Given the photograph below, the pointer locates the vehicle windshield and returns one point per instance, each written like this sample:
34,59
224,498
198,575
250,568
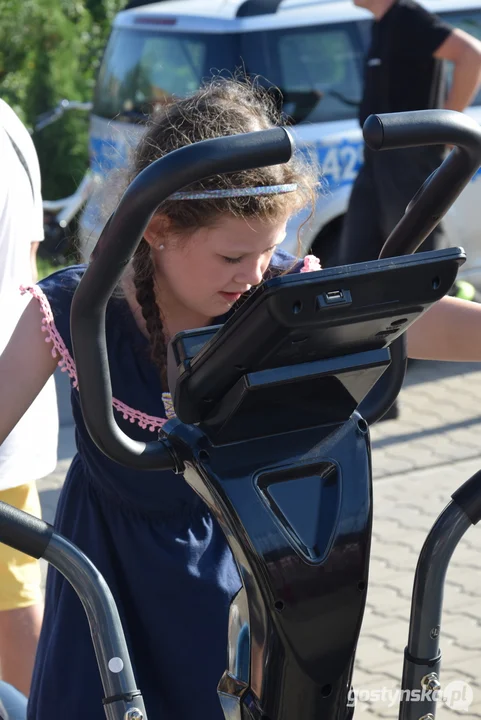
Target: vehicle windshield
317,68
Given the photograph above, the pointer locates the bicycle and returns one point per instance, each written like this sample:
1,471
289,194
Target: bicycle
259,473
58,214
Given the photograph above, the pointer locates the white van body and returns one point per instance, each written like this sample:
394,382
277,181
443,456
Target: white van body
312,50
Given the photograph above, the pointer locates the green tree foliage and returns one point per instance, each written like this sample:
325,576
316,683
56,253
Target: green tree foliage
50,50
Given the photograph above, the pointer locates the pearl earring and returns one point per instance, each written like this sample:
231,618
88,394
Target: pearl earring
161,247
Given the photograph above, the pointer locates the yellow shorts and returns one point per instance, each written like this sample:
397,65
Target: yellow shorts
20,576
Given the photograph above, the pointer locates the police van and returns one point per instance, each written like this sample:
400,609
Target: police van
312,50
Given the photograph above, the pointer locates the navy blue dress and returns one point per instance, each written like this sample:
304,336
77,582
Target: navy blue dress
160,550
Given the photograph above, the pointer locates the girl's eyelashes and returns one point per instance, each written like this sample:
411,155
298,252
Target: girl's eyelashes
234,261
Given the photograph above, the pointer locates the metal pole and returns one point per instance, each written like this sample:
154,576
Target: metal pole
123,701
421,689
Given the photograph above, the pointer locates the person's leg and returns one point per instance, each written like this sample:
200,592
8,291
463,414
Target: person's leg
21,600
399,177
361,237
399,174
19,634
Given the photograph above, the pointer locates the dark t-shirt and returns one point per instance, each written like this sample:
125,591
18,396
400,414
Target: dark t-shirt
401,73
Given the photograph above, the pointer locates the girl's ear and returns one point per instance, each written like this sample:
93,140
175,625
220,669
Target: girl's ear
157,231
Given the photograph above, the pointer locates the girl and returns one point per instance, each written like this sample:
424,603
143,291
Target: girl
161,552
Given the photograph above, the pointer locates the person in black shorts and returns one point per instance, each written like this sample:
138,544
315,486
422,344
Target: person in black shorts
404,70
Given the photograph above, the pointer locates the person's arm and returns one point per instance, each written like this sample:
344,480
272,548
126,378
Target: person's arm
25,366
449,330
464,51
33,261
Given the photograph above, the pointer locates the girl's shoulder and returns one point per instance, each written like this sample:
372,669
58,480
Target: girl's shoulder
61,284
55,293
133,376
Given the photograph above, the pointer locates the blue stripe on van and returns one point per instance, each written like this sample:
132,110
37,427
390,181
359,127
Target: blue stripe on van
340,163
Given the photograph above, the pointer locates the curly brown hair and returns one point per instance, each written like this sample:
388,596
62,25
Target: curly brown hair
220,107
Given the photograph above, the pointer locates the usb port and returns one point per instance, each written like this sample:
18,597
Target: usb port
334,295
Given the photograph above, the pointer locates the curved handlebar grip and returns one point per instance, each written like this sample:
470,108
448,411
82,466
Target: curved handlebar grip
24,532
391,131
433,200
116,245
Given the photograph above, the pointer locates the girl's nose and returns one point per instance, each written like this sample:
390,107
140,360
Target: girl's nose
250,274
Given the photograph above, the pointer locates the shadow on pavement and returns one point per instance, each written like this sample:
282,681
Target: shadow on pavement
421,371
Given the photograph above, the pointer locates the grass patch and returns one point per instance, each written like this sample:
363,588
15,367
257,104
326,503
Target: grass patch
46,266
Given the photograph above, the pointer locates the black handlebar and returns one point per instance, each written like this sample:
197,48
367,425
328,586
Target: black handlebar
426,209
117,244
443,187
23,531
390,131
125,228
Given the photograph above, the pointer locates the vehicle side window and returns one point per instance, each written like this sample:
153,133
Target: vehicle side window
319,71
470,22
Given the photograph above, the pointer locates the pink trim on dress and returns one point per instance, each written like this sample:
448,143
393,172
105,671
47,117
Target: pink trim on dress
67,364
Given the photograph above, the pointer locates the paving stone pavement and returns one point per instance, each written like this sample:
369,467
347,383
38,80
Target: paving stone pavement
418,461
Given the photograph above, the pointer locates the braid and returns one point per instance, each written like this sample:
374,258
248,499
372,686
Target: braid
145,295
